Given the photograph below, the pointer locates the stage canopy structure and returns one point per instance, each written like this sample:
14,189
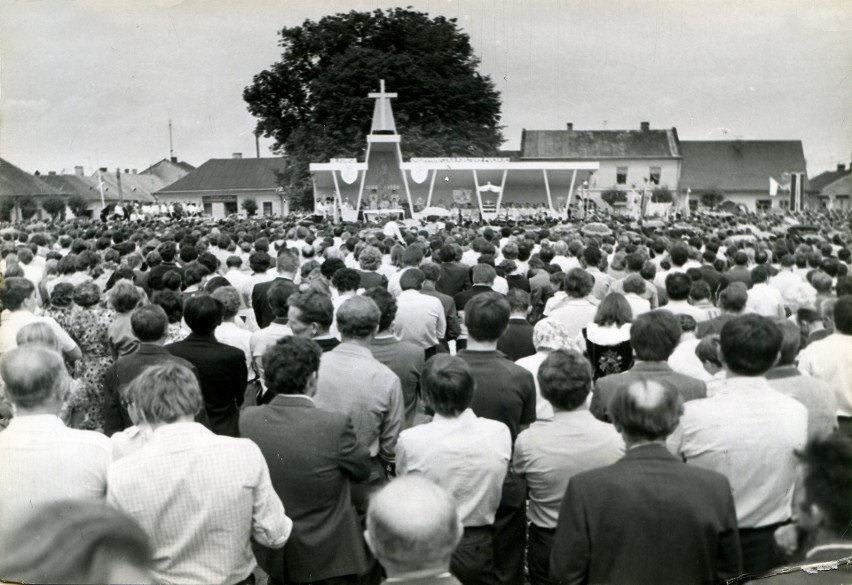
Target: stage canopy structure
384,183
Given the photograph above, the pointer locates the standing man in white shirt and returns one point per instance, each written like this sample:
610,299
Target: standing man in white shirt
828,359
749,432
466,455
200,497
420,319
41,460
763,298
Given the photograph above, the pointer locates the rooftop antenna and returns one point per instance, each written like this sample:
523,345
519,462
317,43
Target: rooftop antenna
171,143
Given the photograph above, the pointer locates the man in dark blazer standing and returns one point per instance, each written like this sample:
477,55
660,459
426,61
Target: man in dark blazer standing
221,368
516,341
455,276
149,324
313,455
287,264
649,518
654,337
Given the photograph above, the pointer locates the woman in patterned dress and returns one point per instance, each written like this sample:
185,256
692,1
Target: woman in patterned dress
89,327
61,304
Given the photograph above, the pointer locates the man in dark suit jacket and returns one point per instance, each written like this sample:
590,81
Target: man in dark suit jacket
654,337
287,265
432,272
709,274
648,518
732,301
150,324
516,341
313,455
221,368
455,276
483,279
739,272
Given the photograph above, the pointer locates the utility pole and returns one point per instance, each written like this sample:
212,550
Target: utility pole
171,143
120,194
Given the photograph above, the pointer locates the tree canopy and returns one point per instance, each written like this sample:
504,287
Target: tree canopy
313,101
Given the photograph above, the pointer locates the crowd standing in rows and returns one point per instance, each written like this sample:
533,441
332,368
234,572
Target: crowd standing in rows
437,403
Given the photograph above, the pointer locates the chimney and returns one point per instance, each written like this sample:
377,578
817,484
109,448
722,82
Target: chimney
841,167
569,126
51,173
237,155
174,159
103,169
644,126
126,171
78,171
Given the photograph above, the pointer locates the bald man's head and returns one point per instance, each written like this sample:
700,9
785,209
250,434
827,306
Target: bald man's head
646,410
413,526
34,376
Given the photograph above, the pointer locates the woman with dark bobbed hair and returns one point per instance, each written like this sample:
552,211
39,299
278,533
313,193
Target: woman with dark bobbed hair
607,338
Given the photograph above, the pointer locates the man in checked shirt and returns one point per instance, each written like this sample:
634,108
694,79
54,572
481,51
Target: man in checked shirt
200,497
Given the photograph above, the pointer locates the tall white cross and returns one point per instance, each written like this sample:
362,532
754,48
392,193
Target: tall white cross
382,112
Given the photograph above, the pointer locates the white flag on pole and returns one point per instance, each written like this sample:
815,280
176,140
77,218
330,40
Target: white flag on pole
773,187
101,188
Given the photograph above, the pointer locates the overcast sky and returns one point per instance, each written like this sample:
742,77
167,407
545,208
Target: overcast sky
94,82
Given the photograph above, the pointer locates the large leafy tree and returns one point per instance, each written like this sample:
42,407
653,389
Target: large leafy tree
313,102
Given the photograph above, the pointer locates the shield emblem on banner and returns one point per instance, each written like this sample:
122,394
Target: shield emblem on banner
419,174
349,175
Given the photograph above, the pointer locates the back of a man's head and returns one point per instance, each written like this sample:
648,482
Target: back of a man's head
646,410
733,299
289,364
412,279
565,378
33,376
15,291
486,316
346,280
655,335
358,318
163,394
448,385
149,323
750,344
677,286
412,255
287,261
791,337
413,527
484,274
843,315
822,496
202,314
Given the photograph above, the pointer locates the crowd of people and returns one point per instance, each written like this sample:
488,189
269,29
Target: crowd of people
221,401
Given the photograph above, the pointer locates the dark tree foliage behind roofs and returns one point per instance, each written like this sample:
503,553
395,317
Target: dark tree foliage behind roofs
313,101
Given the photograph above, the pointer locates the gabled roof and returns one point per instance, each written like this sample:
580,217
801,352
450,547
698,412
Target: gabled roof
185,166
133,187
597,144
75,185
739,165
224,174
823,180
15,181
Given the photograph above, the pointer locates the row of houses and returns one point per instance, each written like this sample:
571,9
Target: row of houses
629,160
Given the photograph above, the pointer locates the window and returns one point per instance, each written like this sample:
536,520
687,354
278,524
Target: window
267,208
655,175
763,204
621,176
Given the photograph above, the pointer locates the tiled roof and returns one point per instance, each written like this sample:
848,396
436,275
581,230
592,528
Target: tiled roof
739,165
133,187
596,144
224,174
15,181
823,180
75,185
